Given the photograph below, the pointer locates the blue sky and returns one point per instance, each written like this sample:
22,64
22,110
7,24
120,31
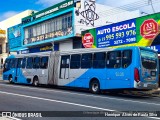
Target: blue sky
12,7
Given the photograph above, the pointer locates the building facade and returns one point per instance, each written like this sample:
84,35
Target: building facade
59,26
4,25
2,42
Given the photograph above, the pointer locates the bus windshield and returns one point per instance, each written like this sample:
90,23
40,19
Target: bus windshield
149,59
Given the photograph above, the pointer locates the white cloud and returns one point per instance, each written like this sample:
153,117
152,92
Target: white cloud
47,3
8,14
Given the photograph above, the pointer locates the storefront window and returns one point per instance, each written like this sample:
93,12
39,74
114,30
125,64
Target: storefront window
52,28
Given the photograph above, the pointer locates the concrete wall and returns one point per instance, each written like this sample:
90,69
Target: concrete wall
66,45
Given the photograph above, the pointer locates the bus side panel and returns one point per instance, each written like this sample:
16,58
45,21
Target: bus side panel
21,77
77,77
108,79
98,74
6,74
84,76
42,75
119,78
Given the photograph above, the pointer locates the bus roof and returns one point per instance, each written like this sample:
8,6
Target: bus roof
86,50
78,51
31,54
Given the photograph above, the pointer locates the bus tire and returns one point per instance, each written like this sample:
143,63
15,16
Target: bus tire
10,79
94,86
35,81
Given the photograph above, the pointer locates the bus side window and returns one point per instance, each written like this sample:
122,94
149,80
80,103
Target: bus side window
75,61
65,61
29,63
126,58
99,60
19,63
86,60
24,62
36,62
114,59
6,65
44,63
13,63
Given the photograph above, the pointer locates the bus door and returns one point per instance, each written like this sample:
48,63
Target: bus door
118,72
19,70
75,70
27,70
64,70
13,64
36,66
42,71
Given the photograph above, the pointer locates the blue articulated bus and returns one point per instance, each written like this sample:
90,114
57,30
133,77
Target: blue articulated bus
94,69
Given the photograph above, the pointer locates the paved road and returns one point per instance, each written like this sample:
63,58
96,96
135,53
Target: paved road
27,98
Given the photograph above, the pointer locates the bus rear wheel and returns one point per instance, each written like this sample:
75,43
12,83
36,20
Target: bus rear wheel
35,81
95,87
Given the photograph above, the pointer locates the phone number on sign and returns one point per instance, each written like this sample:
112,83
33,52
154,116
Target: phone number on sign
128,40
118,35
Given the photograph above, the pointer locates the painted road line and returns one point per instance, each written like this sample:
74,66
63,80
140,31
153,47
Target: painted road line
57,101
87,95
64,102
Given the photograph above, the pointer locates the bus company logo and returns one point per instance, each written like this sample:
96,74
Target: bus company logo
88,40
6,114
149,29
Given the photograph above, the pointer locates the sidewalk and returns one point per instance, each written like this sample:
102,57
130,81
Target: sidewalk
154,92
157,92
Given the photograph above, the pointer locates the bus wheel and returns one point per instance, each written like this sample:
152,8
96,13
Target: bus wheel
10,79
35,81
95,87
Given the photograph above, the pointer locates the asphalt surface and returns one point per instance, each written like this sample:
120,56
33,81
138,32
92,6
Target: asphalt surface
68,104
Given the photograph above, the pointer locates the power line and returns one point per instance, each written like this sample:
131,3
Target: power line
150,1
130,7
124,7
